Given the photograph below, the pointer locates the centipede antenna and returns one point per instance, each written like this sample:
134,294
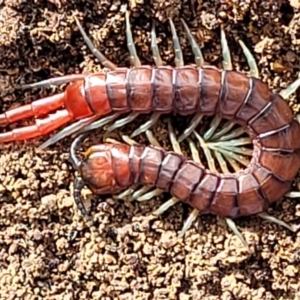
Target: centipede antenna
73,157
291,89
103,60
250,59
78,186
130,43
272,219
199,60
72,128
154,48
227,64
121,122
152,121
52,82
235,230
177,49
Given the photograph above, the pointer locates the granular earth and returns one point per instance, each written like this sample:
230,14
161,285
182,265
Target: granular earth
46,249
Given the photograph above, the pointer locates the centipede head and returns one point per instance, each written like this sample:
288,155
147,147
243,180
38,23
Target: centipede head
97,170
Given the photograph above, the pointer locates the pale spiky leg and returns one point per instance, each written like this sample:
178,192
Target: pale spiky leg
234,229
227,64
178,52
193,124
152,139
213,127
165,206
293,194
173,139
121,122
152,121
103,60
250,59
84,125
189,222
130,43
272,219
291,89
199,60
154,48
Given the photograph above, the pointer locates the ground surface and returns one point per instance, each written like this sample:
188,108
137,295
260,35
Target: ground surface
46,249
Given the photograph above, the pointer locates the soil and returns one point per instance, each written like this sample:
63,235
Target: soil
47,251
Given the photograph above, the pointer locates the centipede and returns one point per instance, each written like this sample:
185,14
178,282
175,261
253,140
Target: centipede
98,100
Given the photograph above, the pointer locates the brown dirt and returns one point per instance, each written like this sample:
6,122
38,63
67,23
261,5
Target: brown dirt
46,249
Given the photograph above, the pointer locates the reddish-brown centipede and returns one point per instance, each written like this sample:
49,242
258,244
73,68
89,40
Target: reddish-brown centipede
185,90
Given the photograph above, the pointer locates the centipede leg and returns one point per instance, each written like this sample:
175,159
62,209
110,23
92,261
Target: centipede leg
193,124
227,64
250,59
72,128
103,60
173,139
212,128
152,121
165,206
154,48
189,222
272,219
122,122
199,59
178,52
291,89
130,43
152,139
235,230
195,152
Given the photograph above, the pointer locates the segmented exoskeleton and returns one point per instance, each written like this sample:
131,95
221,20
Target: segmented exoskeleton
185,90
